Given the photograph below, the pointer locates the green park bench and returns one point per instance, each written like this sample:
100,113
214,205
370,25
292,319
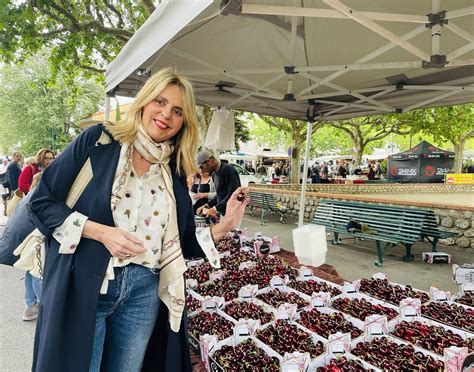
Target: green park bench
267,204
431,232
384,224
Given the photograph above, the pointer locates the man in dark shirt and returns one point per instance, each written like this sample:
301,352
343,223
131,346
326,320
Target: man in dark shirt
226,181
14,171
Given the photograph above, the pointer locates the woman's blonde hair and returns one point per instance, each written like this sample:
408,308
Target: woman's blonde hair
41,155
186,140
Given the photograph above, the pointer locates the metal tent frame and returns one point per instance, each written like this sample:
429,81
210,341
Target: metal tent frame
312,60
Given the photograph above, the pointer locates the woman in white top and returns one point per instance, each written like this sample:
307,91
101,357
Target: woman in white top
113,291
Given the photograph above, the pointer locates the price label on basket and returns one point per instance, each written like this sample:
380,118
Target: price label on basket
278,282
375,325
206,344
320,299
439,295
410,308
295,362
454,358
248,291
247,265
339,343
217,275
275,245
379,276
246,327
286,311
191,283
305,273
349,288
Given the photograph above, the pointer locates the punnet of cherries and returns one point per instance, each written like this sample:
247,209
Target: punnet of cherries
430,337
210,323
310,286
451,314
361,308
248,310
284,337
390,292
390,356
246,356
192,303
275,298
327,324
466,299
343,364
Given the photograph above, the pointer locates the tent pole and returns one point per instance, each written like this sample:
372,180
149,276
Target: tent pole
305,172
107,108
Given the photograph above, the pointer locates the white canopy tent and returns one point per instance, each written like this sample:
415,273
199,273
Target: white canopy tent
308,59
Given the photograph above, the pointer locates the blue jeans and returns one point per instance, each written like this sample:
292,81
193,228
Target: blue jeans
125,320
33,288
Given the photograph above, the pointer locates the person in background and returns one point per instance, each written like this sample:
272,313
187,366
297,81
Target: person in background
470,168
4,191
43,158
226,181
202,190
114,290
4,165
261,170
371,174
324,173
17,229
315,178
14,171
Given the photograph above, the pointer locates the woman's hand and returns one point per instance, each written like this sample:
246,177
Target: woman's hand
119,243
235,210
200,195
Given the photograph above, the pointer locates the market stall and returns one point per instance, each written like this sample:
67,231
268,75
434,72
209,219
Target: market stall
423,163
307,60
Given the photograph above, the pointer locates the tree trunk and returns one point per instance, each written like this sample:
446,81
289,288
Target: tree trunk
359,149
458,150
295,165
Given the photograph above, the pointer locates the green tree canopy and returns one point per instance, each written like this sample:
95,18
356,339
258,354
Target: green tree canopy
293,131
453,124
35,112
367,129
83,35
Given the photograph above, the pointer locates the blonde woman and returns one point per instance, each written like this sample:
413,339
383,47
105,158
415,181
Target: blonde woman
114,294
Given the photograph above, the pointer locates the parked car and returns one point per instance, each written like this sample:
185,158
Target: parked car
245,176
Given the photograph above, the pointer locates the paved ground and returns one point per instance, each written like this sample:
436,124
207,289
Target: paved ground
351,261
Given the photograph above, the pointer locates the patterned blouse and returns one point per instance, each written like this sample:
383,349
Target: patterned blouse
144,212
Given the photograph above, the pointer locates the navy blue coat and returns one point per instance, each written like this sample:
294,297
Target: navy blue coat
71,283
13,171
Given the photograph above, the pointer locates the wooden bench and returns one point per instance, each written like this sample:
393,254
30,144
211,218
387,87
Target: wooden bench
267,204
385,223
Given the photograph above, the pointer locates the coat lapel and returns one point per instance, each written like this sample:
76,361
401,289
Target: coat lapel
104,159
181,195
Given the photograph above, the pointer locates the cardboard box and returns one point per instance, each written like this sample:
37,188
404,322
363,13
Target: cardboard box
436,257
463,274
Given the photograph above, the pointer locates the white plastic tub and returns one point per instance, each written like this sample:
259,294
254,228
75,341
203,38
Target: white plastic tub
310,244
